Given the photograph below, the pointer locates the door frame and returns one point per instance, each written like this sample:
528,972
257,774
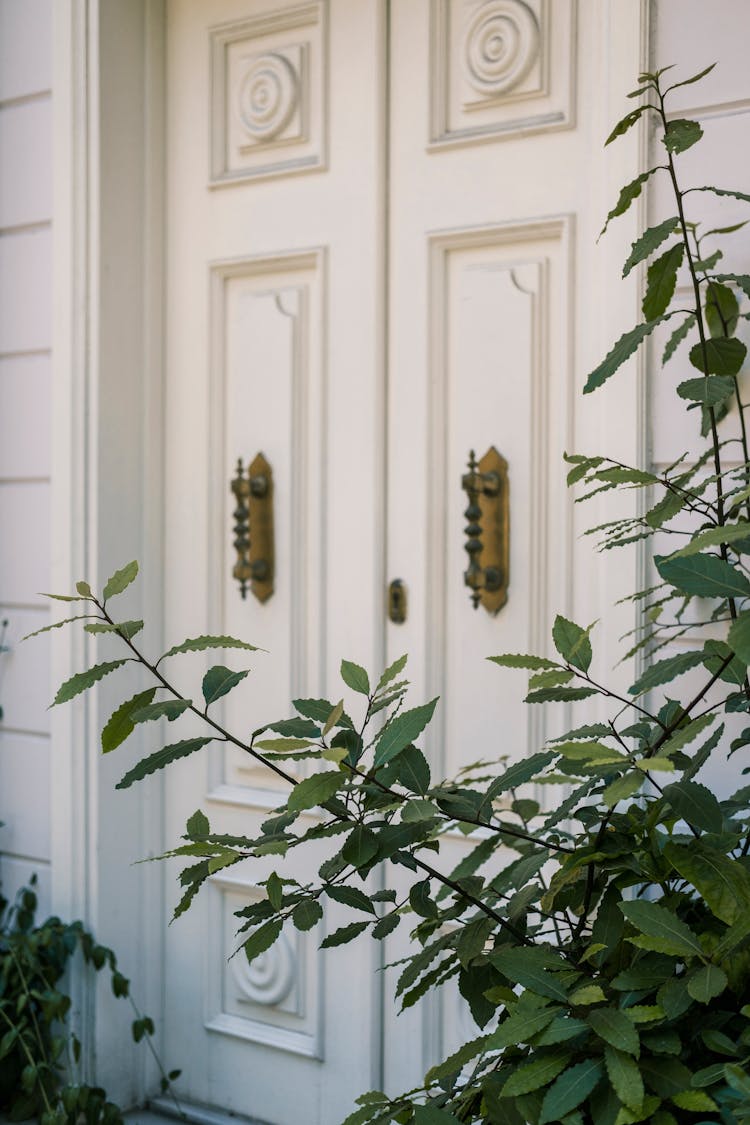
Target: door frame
109,103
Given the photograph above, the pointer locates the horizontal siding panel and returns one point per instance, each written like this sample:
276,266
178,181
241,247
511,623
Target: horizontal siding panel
24,542
16,873
25,795
25,688
693,34
25,391
25,291
25,47
26,163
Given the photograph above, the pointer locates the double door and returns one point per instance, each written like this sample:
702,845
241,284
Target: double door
375,216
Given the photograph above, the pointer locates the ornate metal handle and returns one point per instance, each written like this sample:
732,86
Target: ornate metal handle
487,530
253,528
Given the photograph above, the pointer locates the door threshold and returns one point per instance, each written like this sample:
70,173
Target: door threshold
159,1108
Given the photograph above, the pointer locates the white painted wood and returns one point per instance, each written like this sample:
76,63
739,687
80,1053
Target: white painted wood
24,796
24,507
25,48
26,165
25,688
17,873
25,291
25,406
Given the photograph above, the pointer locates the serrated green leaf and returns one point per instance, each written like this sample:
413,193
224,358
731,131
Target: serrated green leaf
685,735
315,790
704,576
127,629
625,1076
711,392
120,580
360,847
120,724
57,624
283,745
695,1101
522,966
519,773
572,642
696,805
708,983
614,1027
456,1062
333,718
350,896
355,677
628,343
660,922
197,824
681,134
714,537
399,733
307,914
532,1076
560,695
519,660
391,672
569,1090
219,681
344,934
676,338
431,1115
199,644
689,81
84,680
723,883
627,196
645,245
520,1027
160,759
739,636
722,310
661,281
274,890
722,356
664,671
625,123
262,938
166,709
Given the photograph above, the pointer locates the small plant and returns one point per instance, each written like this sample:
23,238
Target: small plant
608,963
39,1057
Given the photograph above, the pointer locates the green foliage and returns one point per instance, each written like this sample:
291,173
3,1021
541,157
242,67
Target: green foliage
601,937
39,1055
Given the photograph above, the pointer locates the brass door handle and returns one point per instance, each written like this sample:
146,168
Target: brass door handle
253,528
487,530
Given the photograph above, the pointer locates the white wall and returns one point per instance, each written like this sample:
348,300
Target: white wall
25,392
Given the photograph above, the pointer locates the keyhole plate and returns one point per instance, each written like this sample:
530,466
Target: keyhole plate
495,523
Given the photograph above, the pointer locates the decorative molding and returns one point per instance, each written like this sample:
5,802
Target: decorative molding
268,393
275,1000
499,68
524,254
268,111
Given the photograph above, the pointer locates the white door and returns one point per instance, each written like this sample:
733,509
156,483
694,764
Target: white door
376,214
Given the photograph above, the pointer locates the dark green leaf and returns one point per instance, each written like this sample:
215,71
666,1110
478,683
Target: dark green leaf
614,1027
532,1076
391,672
127,629
160,759
412,770
307,914
431,1115
572,642
723,356
520,1027
677,337
355,677
661,281
663,671
519,773
722,310
262,938
421,901
622,351
625,123
517,660
524,966
704,576
350,896
689,81
294,728
198,644
399,733
627,196
645,245
708,983
559,695
385,926
165,709
681,134
56,624
219,681
695,804
120,580
83,680
722,882
714,536
739,636
197,825
660,922
315,790
120,725
344,934
570,1090
711,392
319,710
360,847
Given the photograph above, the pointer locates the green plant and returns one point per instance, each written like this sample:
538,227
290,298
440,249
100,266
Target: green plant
609,962
39,1057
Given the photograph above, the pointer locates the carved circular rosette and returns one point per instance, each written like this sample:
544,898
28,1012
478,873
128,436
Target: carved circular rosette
502,44
270,977
268,96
